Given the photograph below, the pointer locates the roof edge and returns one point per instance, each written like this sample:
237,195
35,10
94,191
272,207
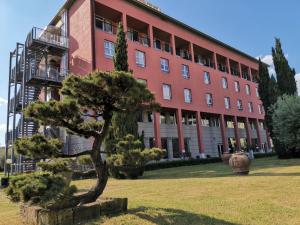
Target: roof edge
137,3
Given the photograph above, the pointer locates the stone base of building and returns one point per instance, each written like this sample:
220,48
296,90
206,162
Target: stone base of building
34,215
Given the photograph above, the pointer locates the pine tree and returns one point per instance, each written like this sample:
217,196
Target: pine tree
285,74
121,57
94,97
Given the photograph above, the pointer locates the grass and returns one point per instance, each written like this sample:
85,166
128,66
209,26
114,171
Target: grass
204,194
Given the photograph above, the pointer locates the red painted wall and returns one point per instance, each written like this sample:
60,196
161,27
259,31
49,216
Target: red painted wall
80,44
80,48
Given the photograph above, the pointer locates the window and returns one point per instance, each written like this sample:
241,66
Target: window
205,122
140,58
250,106
257,93
239,104
241,125
163,118
104,25
209,99
206,78
236,86
157,44
227,102
109,49
164,65
229,124
187,95
214,122
224,83
185,71
167,91
248,92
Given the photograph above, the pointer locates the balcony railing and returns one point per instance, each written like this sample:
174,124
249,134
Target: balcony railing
140,38
49,74
234,71
50,35
223,68
163,46
184,54
106,26
205,62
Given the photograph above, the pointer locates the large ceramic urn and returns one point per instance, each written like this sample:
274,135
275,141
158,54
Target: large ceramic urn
225,157
240,163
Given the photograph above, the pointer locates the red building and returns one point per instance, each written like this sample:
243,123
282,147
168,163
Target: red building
207,89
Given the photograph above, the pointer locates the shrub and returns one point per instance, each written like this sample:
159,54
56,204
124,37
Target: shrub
38,188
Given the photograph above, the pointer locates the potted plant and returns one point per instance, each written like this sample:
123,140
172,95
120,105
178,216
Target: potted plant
130,159
240,163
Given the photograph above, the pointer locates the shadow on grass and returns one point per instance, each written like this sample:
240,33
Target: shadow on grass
168,216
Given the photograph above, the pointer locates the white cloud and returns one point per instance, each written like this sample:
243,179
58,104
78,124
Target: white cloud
268,59
297,77
3,101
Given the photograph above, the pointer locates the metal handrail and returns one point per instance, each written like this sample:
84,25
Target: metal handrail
46,36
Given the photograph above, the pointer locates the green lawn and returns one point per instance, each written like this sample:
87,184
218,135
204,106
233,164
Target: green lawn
204,194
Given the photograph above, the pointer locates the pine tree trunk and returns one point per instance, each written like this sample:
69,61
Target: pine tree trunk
101,169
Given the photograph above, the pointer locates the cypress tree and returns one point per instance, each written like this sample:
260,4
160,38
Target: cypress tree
268,93
123,123
285,74
121,58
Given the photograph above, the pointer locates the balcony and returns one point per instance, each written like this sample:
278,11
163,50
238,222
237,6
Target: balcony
106,25
222,63
245,72
234,68
50,38
203,56
183,48
140,38
107,19
162,40
50,76
138,31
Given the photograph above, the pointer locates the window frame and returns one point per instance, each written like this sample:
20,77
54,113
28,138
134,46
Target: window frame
206,77
170,91
226,82
110,49
248,89
228,102
237,87
162,65
189,91
137,59
184,71
210,104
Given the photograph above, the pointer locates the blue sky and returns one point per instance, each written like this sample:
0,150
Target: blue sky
247,25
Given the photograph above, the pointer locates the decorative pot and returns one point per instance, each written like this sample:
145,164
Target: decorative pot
240,163
132,172
225,157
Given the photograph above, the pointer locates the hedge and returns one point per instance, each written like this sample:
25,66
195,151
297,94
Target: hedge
168,164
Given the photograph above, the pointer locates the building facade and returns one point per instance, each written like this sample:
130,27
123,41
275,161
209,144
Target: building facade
208,90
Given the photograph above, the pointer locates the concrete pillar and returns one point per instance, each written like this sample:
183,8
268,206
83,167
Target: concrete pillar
223,133
150,33
124,22
236,133
157,138
228,65
180,130
215,61
199,134
170,148
258,133
248,131
173,44
192,51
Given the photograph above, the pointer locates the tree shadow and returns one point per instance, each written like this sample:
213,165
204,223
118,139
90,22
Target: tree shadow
169,216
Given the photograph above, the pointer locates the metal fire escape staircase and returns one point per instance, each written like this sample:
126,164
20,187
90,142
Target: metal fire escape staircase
26,80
